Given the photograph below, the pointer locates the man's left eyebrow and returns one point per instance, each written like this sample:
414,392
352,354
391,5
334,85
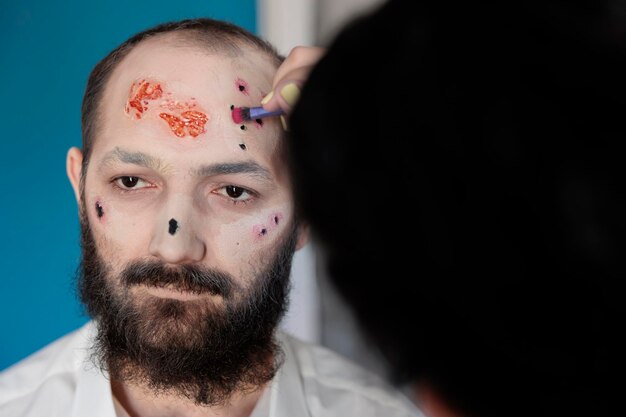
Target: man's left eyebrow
248,167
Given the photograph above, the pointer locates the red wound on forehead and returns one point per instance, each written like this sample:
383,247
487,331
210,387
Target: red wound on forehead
195,121
177,106
181,114
190,122
177,125
140,94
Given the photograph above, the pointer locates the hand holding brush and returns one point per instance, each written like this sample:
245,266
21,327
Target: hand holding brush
289,78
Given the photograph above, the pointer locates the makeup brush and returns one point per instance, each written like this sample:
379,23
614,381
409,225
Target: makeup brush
245,114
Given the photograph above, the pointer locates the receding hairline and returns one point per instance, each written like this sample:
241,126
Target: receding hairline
195,40
226,45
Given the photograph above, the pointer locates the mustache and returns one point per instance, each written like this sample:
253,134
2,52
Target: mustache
190,278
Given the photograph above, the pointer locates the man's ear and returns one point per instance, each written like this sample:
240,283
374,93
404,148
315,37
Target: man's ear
303,235
74,168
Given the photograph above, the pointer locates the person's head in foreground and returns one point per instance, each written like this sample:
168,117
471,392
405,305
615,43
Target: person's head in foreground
187,220
469,193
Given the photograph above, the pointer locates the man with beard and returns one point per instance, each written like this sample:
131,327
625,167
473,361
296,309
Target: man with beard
187,231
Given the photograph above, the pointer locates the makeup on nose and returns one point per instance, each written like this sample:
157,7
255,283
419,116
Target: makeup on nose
173,226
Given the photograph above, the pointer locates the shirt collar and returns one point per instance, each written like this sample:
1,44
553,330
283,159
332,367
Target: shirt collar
93,395
287,392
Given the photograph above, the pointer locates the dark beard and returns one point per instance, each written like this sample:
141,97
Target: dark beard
201,350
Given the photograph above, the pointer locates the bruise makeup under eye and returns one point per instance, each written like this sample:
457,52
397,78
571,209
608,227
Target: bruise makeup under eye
183,116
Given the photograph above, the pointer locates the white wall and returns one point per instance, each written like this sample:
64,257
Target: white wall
287,23
332,15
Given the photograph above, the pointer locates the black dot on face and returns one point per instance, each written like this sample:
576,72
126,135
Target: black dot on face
242,146
99,210
276,219
173,226
259,121
242,87
242,127
232,107
264,231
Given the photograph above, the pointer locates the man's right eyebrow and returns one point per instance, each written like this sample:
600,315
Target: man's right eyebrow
247,167
132,157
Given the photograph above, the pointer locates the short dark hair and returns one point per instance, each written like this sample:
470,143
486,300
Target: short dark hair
214,35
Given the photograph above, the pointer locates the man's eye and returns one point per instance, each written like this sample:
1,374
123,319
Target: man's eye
237,194
128,182
234,192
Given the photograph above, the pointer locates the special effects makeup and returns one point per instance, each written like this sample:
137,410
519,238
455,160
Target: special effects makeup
245,114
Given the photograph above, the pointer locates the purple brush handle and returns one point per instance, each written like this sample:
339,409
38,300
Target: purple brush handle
260,112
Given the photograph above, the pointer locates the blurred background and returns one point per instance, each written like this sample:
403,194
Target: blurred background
48,49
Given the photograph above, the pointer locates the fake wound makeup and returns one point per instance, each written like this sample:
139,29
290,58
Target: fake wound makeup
173,227
189,123
261,230
99,209
244,114
183,116
141,93
242,86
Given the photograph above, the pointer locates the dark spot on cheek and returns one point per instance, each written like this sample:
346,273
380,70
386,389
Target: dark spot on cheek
259,121
263,231
242,87
232,107
99,210
242,127
242,146
276,219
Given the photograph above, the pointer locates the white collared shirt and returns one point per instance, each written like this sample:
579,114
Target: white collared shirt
61,380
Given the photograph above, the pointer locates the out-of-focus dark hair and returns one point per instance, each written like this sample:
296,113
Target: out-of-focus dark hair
460,163
209,34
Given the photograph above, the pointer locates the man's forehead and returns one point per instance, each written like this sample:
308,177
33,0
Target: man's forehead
196,74
187,93
160,55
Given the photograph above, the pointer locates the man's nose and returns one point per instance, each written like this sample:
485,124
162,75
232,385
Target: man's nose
174,239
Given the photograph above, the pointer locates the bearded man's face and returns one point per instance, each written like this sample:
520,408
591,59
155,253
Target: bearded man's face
187,235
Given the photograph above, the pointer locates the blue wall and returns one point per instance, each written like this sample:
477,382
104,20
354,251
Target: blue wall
48,50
